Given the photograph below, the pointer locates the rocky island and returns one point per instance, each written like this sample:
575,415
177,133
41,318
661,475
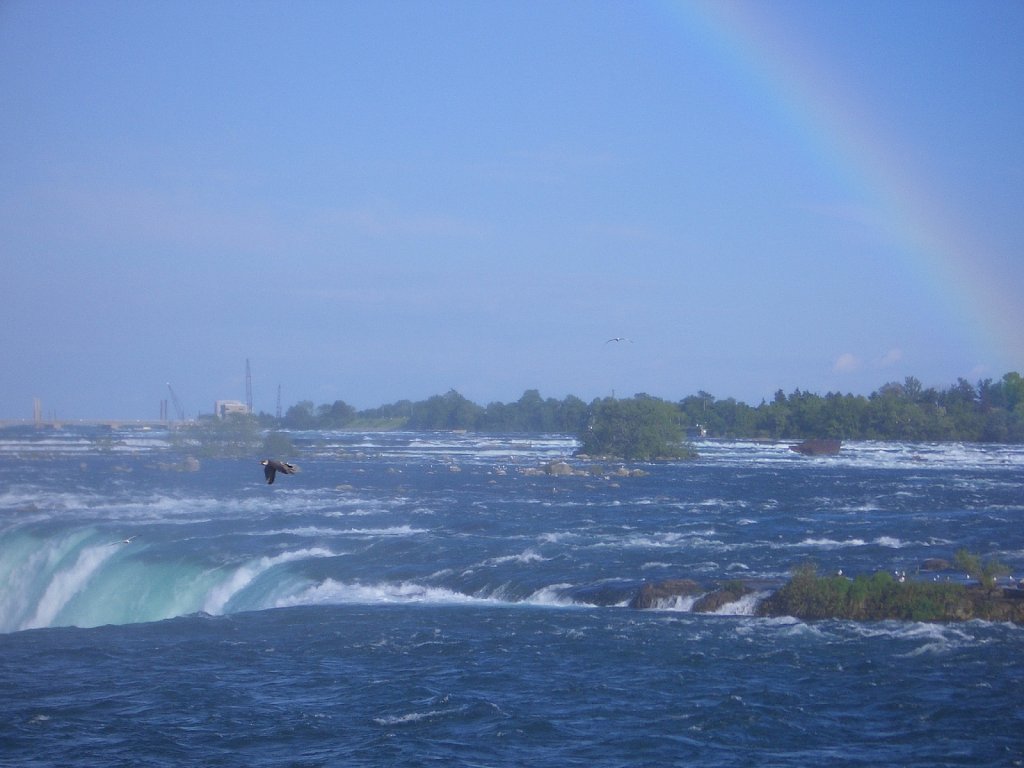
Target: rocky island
882,597
878,597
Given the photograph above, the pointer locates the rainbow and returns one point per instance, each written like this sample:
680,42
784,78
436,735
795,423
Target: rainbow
955,264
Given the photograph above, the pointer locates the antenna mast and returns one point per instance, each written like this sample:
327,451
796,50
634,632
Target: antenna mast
279,401
248,387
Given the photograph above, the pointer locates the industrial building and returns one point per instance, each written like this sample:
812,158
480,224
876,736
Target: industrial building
224,408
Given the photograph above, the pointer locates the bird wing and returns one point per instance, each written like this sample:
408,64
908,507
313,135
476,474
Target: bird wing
269,472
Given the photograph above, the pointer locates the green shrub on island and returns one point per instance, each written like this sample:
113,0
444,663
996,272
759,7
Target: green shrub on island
880,597
985,573
638,429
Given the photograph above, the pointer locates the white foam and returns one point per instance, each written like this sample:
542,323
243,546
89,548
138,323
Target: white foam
745,606
675,603
395,530
889,541
313,531
527,556
331,592
553,595
414,717
657,564
65,584
830,543
243,576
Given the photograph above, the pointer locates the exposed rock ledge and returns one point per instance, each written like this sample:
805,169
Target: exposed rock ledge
660,593
818,447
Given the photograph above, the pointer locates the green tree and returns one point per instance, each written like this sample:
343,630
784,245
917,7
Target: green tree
571,416
336,415
641,428
701,409
448,411
497,417
993,412
300,416
530,412
961,405
1013,390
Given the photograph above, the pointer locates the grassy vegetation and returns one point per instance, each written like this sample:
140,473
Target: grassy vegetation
879,596
985,572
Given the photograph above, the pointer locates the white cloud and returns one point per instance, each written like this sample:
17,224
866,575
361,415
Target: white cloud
846,363
891,357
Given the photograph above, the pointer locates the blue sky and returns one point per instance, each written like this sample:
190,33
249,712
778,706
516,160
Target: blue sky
379,201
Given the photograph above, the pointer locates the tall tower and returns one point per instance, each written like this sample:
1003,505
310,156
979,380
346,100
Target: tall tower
248,387
278,401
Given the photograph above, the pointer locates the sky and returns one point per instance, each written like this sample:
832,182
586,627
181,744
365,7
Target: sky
372,202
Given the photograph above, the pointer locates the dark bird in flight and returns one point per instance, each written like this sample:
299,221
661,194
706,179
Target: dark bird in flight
619,338
272,466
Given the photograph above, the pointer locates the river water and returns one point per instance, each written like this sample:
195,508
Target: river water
414,599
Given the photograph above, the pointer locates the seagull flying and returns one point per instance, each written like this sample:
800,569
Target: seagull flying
272,466
619,338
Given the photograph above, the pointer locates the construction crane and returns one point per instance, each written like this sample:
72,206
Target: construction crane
177,403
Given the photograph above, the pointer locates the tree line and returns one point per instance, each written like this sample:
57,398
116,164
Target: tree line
988,411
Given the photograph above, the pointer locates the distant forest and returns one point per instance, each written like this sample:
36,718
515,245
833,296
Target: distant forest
989,411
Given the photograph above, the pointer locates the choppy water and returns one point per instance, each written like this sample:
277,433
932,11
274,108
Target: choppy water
415,599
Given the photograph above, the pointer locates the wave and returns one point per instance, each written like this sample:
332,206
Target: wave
86,505
924,457
83,579
66,583
527,556
889,542
313,531
74,440
89,584
557,595
415,717
332,592
219,597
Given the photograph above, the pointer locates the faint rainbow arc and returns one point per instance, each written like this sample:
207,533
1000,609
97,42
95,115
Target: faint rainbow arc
939,248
